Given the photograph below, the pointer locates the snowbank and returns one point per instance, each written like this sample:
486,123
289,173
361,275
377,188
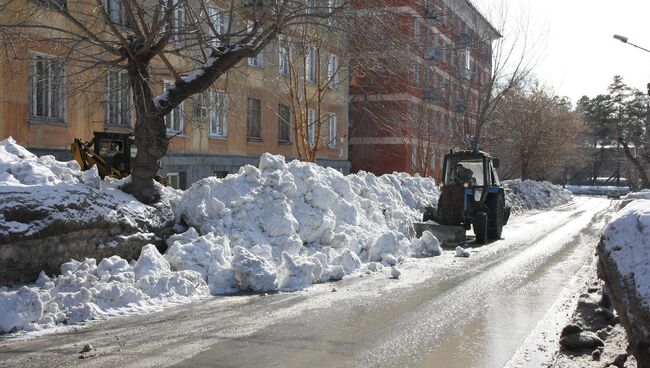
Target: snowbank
596,189
627,240
46,202
280,226
624,263
284,226
526,195
87,290
58,192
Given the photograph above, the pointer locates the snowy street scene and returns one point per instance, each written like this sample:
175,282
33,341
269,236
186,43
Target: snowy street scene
324,183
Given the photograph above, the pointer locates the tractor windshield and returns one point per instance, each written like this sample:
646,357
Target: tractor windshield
460,171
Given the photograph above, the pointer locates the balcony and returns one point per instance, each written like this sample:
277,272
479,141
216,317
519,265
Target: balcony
465,39
430,94
434,53
459,106
432,13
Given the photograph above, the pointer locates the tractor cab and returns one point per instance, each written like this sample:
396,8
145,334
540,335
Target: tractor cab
117,149
112,153
471,195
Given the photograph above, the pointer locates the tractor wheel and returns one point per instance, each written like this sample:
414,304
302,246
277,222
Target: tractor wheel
495,205
480,227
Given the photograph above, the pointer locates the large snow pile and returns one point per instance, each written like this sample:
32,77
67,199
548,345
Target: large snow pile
525,195
41,193
284,226
87,290
279,226
627,240
624,264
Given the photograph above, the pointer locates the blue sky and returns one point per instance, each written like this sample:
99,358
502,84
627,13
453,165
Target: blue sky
578,55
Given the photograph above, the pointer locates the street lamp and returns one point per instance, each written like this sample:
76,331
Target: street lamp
624,40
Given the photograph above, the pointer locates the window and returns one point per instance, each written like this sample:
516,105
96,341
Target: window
46,88
283,58
311,65
332,135
416,30
200,109
116,12
254,118
311,128
468,60
174,120
414,157
311,6
179,23
118,99
284,123
218,113
258,60
61,4
332,71
331,7
416,75
174,180
218,19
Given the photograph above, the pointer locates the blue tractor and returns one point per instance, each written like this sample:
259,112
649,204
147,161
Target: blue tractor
471,197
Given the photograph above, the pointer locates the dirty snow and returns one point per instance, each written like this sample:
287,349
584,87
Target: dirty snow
627,239
52,192
280,226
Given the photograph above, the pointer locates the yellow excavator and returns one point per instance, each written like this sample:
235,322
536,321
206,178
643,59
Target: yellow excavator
110,152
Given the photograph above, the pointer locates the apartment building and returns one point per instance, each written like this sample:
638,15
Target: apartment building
423,98
246,112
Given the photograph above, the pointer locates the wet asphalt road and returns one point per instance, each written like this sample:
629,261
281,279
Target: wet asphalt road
442,312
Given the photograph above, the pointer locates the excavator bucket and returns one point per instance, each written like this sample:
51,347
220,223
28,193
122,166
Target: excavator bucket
447,235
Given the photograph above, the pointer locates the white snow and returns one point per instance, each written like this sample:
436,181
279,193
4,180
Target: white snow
596,189
293,224
280,226
627,239
85,291
61,192
526,195
461,252
395,273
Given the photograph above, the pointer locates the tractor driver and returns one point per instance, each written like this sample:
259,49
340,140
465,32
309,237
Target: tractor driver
463,174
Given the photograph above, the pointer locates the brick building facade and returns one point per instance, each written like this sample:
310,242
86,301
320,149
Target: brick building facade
421,98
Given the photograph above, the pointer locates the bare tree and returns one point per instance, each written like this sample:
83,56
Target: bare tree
535,133
190,42
475,92
311,61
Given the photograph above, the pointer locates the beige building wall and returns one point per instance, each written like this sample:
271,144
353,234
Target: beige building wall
85,113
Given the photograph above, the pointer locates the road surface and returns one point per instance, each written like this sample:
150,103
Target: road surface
504,305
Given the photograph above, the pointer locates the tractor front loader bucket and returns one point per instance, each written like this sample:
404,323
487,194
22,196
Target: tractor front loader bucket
448,235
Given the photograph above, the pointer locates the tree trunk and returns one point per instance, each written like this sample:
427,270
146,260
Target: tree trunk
645,183
150,136
524,166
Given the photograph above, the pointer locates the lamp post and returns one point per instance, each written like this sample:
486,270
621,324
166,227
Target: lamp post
625,40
